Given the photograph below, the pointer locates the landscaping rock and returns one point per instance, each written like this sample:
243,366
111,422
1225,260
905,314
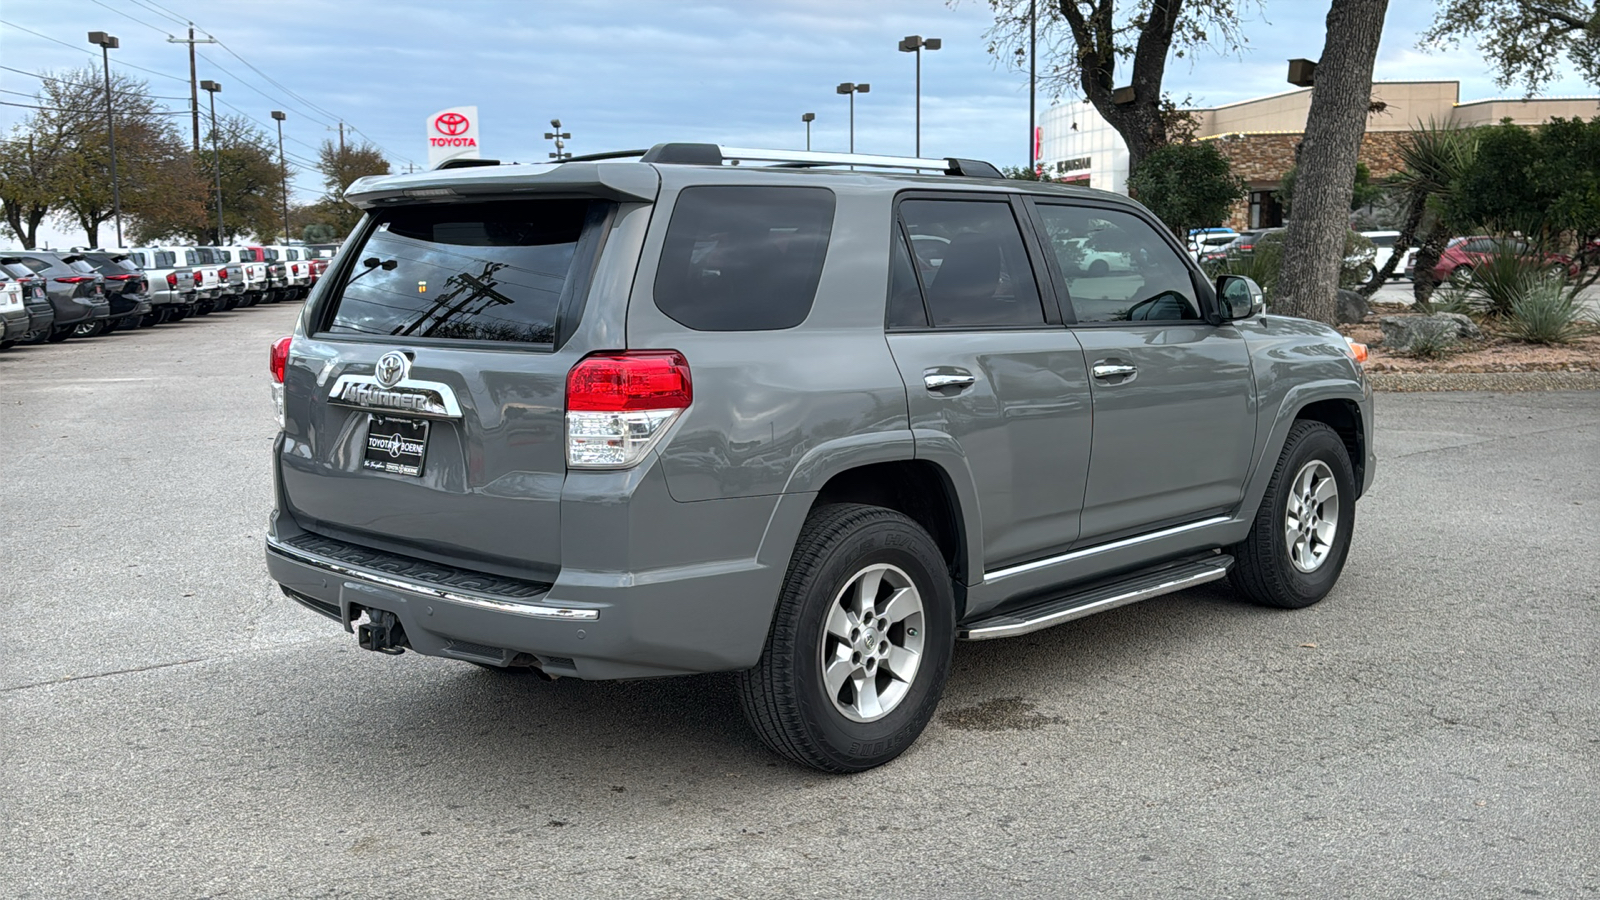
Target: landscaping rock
1350,308
1400,332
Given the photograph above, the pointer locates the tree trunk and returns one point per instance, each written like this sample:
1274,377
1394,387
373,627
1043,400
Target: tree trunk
1428,254
1139,122
1314,245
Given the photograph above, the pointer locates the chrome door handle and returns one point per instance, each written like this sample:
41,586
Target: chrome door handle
936,382
1112,370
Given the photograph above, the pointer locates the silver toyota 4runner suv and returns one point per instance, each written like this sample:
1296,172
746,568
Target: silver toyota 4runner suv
704,409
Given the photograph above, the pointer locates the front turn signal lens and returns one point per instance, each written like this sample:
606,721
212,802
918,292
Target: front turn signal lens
1358,351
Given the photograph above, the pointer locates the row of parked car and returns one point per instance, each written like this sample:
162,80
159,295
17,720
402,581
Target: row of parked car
50,296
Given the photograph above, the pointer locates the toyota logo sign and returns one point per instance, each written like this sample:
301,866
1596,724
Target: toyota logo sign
452,134
451,123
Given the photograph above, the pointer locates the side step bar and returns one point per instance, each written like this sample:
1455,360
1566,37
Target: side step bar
1138,586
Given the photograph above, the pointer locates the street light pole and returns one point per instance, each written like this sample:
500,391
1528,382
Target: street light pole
558,136
108,43
211,87
283,168
808,118
853,89
915,44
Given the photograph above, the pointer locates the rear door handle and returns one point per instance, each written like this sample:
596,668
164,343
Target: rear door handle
940,381
1113,370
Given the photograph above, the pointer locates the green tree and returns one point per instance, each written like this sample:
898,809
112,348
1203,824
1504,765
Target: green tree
1187,186
340,166
1433,157
1082,41
1524,40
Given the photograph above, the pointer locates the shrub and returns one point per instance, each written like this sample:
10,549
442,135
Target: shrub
1503,278
1265,261
1436,344
1546,313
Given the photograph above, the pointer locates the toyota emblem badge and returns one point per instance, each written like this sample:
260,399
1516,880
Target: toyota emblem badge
391,368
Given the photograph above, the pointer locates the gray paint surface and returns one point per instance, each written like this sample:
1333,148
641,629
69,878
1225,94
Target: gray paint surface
1043,458
175,727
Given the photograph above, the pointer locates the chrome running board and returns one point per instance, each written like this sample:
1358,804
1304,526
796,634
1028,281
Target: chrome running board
1139,586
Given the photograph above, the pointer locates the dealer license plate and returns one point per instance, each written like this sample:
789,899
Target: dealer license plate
397,446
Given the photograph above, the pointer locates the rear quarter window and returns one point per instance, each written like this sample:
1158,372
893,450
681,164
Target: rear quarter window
742,258
490,271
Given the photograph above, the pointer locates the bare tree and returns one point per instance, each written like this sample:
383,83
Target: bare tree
1340,100
1083,40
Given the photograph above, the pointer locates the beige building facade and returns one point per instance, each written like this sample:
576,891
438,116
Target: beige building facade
1259,136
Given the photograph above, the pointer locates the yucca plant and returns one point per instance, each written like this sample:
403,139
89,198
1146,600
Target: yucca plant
1436,344
1548,312
1503,278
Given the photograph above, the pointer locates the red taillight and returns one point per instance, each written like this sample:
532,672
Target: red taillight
75,279
118,277
222,274
172,279
198,278
297,268
623,382
280,358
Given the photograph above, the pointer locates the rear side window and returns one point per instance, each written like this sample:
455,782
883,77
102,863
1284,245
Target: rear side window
493,271
971,262
744,258
190,258
166,259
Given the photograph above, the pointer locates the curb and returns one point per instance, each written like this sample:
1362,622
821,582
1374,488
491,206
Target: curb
1501,382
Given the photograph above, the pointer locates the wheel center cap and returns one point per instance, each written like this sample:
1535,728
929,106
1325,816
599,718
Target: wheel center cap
869,637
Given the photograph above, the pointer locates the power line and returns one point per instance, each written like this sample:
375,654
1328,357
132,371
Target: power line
89,52
128,17
256,89
70,81
160,11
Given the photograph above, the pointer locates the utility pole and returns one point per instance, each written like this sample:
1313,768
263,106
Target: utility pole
283,168
194,86
1033,83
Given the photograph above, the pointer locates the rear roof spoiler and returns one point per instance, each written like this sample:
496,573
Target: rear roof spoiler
621,183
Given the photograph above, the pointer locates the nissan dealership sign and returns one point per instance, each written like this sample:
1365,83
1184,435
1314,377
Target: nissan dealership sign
452,134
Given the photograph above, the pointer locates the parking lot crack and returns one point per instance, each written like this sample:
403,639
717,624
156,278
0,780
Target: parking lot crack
1495,439
71,678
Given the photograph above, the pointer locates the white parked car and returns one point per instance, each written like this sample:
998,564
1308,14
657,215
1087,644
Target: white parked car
1384,241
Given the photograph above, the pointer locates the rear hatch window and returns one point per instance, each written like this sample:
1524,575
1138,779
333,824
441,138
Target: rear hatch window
489,271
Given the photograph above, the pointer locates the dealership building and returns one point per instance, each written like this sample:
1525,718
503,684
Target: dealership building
1259,136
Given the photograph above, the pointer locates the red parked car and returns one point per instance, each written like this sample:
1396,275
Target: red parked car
1463,254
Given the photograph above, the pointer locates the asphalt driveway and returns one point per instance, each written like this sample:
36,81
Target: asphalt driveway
170,726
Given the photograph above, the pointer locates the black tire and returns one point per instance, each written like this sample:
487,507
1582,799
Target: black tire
784,697
1264,570
57,335
1460,276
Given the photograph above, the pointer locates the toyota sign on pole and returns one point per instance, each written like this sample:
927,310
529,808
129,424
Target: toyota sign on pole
452,134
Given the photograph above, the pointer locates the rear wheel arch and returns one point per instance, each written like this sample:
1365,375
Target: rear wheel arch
920,490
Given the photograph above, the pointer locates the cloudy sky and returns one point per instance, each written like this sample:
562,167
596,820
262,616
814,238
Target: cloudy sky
630,73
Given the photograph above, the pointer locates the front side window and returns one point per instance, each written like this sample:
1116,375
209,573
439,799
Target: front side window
742,258
1116,266
971,263
492,271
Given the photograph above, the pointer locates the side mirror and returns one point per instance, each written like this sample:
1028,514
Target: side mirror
1241,297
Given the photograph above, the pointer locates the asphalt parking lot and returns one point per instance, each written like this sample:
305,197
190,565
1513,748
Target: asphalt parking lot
172,727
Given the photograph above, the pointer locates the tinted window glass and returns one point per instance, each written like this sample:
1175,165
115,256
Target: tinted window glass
905,297
166,259
191,258
1117,267
468,271
744,258
1383,240
970,256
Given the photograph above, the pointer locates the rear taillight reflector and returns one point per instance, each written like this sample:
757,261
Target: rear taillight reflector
619,404
222,274
172,279
277,364
198,277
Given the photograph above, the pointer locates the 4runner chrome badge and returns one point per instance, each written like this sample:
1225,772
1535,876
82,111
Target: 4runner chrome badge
423,398
392,368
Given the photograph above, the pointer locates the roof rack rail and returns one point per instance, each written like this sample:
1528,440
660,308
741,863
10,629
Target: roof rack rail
464,162
715,155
